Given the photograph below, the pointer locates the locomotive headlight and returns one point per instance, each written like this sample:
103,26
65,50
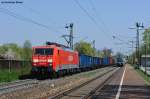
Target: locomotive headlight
50,60
35,60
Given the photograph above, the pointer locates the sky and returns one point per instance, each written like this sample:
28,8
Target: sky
45,20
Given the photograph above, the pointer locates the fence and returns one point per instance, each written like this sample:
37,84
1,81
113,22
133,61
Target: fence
15,64
13,69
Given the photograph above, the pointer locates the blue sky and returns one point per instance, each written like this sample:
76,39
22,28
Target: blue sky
113,17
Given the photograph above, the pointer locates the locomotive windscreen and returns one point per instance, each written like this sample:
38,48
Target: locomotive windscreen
119,60
43,51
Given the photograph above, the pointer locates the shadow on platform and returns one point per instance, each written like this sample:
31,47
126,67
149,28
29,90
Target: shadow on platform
127,92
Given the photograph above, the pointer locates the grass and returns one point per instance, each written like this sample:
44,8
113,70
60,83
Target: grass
14,74
90,73
143,75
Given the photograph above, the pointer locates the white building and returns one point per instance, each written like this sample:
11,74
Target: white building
145,60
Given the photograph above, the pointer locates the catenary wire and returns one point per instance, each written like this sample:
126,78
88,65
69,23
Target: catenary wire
92,19
20,17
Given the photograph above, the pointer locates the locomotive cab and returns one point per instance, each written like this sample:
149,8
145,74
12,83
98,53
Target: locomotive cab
42,59
120,62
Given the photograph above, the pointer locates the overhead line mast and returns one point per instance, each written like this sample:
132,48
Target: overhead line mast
138,27
70,41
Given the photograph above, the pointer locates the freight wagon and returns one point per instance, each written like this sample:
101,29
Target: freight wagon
87,62
106,61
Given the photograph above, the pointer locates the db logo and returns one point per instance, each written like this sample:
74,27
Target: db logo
70,58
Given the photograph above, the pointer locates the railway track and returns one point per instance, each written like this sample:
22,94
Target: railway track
85,90
13,86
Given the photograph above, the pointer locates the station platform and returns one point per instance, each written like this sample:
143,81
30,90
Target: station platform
132,77
126,84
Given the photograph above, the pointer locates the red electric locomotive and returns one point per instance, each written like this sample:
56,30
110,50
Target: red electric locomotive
54,57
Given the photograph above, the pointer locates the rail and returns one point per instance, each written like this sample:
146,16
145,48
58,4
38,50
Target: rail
67,92
20,84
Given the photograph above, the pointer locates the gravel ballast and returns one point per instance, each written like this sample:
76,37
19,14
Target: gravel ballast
51,87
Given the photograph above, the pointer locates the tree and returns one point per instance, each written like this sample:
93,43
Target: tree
10,49
3,49
146,39
107,52
99,53
146,35
85,48
27,50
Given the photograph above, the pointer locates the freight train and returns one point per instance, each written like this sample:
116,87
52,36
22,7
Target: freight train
58,59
